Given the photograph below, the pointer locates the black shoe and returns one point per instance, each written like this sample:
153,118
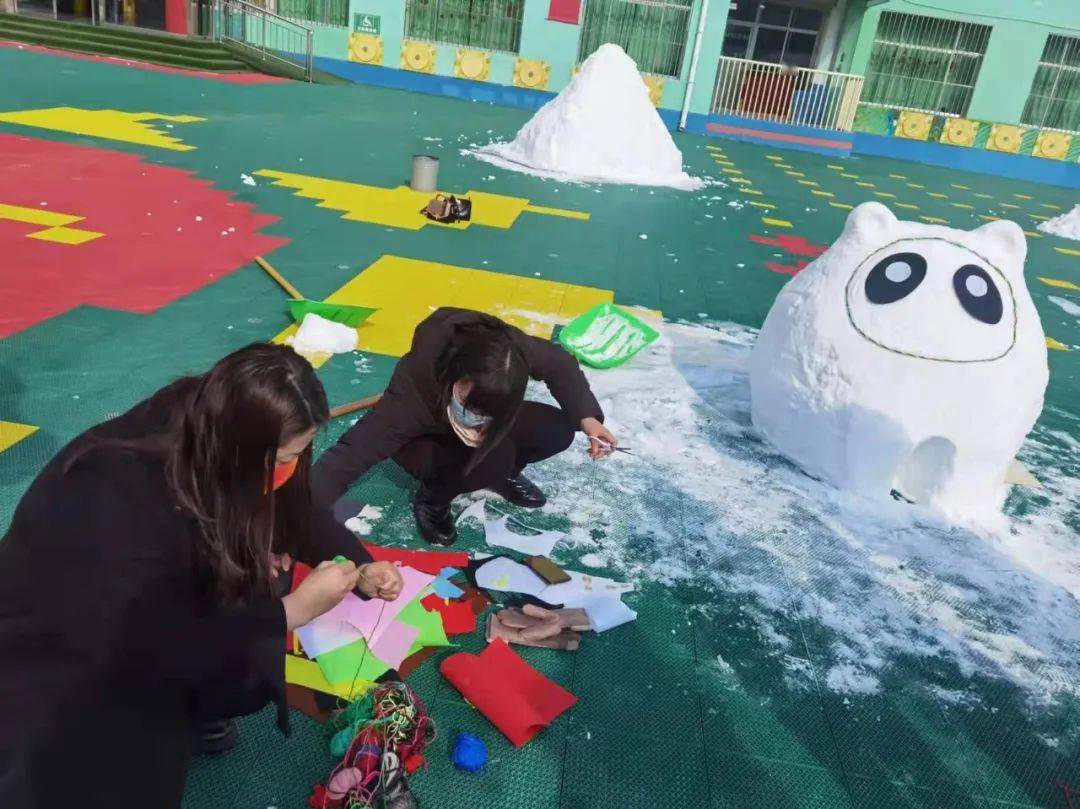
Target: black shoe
215,738
521,491
433,518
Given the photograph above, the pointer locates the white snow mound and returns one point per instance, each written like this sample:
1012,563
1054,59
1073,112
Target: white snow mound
1067,225
317,335
601,128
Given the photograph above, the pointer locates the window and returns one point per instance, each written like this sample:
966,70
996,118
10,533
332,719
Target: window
652,32
488,24
327,12
1054,100
924,63
769,31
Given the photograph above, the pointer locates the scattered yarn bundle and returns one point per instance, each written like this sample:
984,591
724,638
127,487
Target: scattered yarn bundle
391,719
469,753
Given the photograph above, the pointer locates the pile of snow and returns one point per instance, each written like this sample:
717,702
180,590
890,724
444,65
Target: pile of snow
602,127
1067,225
702,501
907,357
317,335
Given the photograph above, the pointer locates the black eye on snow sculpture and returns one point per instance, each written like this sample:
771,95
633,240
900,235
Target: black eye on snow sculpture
978,294
895,277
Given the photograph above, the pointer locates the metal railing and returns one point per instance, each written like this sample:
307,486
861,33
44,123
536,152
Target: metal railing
791,95
320,12
486,24
925,63
652,32
263,37
1054,99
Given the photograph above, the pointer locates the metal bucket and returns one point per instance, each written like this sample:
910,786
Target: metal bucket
425,173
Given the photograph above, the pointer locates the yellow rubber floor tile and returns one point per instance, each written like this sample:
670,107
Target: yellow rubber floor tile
907,205
898,176
850,176
962,205
843,205
834,166
1054,282
756,204
794,174
819,193
916,185
776,223
806,182
884,194
1009,205
1056,345
12,433
752,191
1067,251
865,185
937,195
934,220
961,187
1048,205
128,127
1021,196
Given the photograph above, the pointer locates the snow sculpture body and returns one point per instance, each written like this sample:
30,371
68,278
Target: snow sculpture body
907,357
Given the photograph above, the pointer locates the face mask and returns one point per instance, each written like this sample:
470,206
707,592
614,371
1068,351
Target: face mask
282,473
465,417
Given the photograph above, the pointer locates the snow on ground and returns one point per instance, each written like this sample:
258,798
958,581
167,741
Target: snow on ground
1067,225
704,500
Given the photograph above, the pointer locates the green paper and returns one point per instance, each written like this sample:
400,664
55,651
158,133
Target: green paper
429,623
351,662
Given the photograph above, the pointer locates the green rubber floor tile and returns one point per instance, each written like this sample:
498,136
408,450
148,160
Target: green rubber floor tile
663,624
738,782
753,712
525,778
286,768
869,792
634,690
606,769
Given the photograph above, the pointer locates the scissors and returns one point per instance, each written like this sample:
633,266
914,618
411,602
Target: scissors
612,447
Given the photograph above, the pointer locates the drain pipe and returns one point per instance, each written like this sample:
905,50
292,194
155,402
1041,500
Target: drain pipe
693,64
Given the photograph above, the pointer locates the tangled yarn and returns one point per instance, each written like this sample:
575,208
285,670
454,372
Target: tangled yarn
390,718
469,753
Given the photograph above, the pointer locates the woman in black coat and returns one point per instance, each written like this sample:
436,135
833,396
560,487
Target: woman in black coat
136,583
455,417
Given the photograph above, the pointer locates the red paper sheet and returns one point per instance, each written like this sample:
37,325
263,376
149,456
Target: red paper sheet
431,562
457,616
565,11
515,697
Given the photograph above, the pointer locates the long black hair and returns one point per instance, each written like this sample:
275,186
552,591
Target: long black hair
219,440
484,353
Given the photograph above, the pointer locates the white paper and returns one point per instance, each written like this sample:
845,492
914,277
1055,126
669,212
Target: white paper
497,532
476,511
581,586
508,576
607,612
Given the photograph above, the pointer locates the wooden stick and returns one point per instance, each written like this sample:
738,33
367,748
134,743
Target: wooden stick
292,291
352,407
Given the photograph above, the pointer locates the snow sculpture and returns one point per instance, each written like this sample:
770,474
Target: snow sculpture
907,358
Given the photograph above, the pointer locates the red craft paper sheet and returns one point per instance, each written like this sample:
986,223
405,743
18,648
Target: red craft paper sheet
458,616
515,697
299,573
431,562
565,11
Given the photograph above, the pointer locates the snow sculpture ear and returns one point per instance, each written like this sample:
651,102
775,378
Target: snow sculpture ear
869,220
1002,241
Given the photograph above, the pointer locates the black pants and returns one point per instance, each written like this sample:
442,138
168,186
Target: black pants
539,432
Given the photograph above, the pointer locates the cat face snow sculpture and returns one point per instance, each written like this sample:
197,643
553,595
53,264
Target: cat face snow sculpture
907,357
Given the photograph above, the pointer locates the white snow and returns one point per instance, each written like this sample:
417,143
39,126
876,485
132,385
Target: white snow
247,179
317,335
601,128
876,583
883,366
1067,225
1067,306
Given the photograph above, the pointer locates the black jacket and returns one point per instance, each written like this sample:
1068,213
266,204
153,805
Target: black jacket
110,645
410,407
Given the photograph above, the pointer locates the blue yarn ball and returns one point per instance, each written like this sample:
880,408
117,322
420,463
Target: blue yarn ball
469,752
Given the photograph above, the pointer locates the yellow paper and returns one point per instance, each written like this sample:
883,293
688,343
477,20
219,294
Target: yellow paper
307,673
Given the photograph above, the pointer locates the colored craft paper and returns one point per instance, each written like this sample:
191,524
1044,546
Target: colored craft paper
568,11
515,697
509,576
443,587
430,625
307,673
331,630
430,562
393,645
343,666
607,612
458,617
373,617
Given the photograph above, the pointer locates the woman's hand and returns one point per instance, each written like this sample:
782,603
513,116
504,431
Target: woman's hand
601,440
320,592
279,563
381,580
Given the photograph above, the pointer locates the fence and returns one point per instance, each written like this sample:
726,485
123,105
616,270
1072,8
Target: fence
790,95
1054,100
924,63
485,24
321,12
263,36
652,32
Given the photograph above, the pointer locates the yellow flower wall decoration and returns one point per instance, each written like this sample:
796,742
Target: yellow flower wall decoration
531,73
914,125
366,48
1005,138
1052,145
418,56
470,64
959,132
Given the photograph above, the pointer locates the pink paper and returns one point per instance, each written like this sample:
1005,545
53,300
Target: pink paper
329,631
393,645
373,617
